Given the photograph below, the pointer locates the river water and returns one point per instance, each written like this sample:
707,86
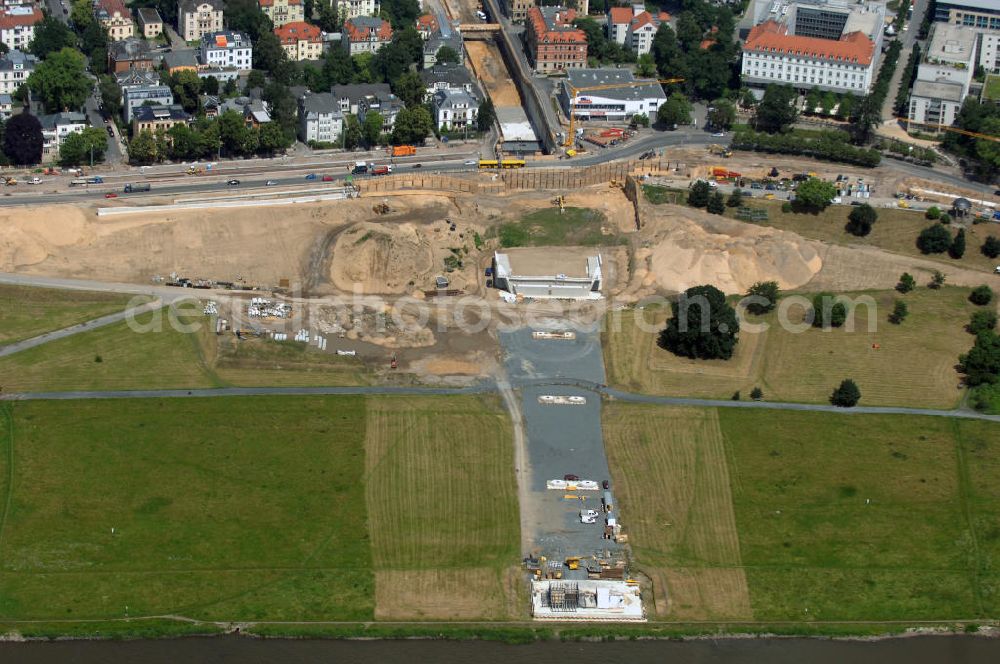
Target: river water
243,650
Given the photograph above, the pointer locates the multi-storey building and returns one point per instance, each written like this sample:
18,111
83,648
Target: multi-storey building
970,13
357,8
944,76
150,22
15,68
365,34
300,40
197,18
282,12
517,10
115,18
553,43
17,26
227,50
634,27
320,118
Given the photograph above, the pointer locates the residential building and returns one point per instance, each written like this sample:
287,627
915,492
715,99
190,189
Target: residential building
427,25
181,59
282,12
136,96
451,38
154,118
365,34
300,40
197,18
454,109
614,104
634,27
321,119
357,8
150,22
227,50
17,26
944,76
447,76
6,106
255,112
361,98
553,43
15,68
970,13
115,18
136,78
989,50
517,10
129,53
55,129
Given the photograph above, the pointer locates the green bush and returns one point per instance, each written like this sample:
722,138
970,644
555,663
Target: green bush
846,395
934,239
981,295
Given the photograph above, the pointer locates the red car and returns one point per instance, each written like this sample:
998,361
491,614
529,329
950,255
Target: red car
327,178
111,194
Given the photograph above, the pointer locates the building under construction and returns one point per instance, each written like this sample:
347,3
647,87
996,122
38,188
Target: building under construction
586,599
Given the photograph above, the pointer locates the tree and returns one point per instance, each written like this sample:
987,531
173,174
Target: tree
268,53
934,239
237,138
735,198
756,394
22,139
401,13
776,110
957,248
51,35
846,395
410,88
814,195
827,312
982,321
82,14
866,116
352,132
81,147
186,87
143,148
981,295
338,67
446,54
981,365
991,247
716,203
937,280
861,219
703,325
933,212
111,95
486,116
210,85
723,114
329,19
412,125
60,81
676,110
271,138
645,66
945,218
906,283
764,297
699,193
245,16
372,127
989,153
899,312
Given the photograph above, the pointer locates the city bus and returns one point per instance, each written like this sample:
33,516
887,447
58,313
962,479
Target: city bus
506,163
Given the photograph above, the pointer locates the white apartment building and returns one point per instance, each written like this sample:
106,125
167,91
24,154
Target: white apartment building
17,26
320,118
197,18
227,49
355,8
15,68
989,51
634,27
944,77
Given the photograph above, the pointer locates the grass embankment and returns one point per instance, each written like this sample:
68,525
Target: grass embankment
838,517
660,195
254,508
156,355
26,312
573,227
896,230
911,364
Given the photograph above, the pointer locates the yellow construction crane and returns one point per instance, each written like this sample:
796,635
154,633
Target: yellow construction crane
571,134
956,130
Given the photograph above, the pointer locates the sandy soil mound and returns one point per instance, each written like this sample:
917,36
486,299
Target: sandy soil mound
30,235
687,249
381,258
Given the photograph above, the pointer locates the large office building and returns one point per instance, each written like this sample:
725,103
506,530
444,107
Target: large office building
970,13
554,44
826,44
944,75
615,104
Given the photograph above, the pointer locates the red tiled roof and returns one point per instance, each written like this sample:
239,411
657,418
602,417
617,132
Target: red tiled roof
112,6
357,32
427,22
772,37
543,34
296,31
8,21
621,15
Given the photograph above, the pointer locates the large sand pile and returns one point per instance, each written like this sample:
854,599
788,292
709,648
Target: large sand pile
683,251
29,236
381,258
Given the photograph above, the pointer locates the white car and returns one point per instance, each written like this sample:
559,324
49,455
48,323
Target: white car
588,516
712,184
719,134
35,180
471,162
997,269
270,183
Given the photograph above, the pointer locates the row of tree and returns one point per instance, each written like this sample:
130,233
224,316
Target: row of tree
828,145
207,138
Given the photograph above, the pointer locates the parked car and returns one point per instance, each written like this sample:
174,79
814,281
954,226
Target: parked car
311,176
719,134
588,516
110,131
606,485
756,185
327,178
111,194
233,183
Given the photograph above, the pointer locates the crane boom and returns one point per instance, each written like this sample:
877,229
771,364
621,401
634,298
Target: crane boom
956,130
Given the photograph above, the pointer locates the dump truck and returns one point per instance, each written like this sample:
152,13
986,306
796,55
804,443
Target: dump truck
382,170
133,188
403,151
719,150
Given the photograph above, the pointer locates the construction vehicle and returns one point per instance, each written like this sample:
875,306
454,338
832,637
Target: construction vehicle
51,171
381,208
561,202
10,182
717,149
573,562
572,94
195,171
403,151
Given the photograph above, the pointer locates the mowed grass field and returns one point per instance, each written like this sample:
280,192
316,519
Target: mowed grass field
442,504
256,508
159,356
838,517
909,364
573,227
896,230
26,312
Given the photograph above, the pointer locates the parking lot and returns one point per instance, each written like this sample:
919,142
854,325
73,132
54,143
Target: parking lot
561,439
